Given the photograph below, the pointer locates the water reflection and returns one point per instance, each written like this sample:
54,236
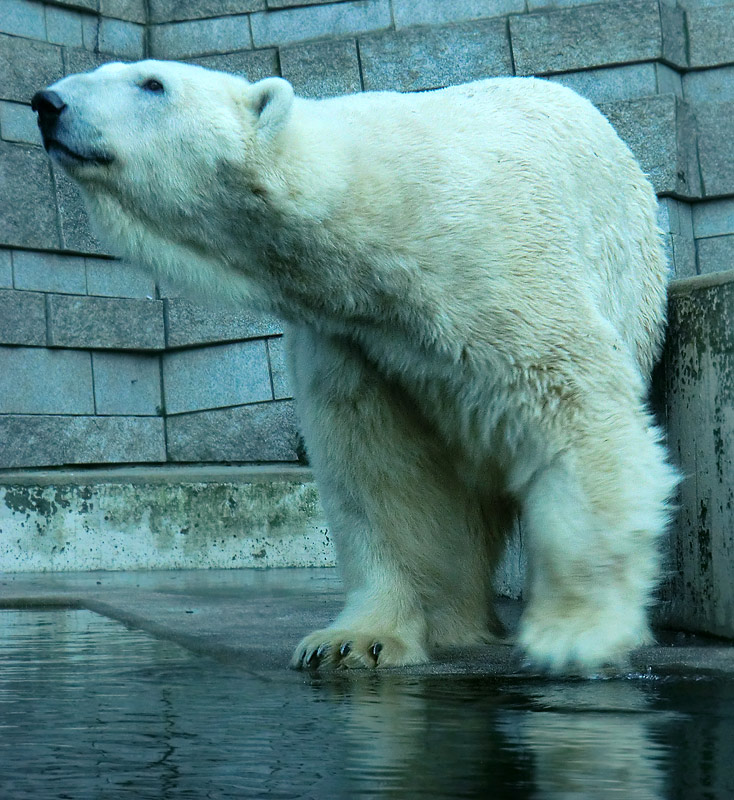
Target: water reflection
89,709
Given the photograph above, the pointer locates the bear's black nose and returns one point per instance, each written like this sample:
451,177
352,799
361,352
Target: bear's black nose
47,103
49,106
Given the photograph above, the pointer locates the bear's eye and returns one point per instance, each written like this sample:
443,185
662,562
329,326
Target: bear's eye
152,85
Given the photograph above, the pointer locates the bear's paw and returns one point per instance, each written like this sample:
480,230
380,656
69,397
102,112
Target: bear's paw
347,649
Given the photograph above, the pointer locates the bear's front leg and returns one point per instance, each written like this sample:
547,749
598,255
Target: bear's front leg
411,541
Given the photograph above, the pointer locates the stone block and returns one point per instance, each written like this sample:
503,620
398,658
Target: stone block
89,5
253,65
104,323
76,233
709,85
127,384
27,66
47,272
130,10
676,221
699,376
22,18
261,432
64,26
214,377
715,147
126,39
85,60
322,69
90,32
200,37
588,36
713,218
36,380
18,123
6,270
427,58
408,13
41,441
659,131
715,254
191,324
106,278
178,10
611,83
27,206
277,28
279,369
22,318
711,35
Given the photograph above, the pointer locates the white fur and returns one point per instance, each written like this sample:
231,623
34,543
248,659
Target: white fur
474,287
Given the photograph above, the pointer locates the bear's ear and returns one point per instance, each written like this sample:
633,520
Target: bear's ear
271,101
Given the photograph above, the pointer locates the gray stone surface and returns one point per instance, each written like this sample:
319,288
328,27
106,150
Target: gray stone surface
711,35
275,4
27,207
27,66
214,377
427,58
659,131
64,26
89,5
260,432
177,10
619,83
192,520
713,218
131,10
127,384
252,65
105,323
699,369
90,31
715,254
36,380
190,323
84,61
41,440
676,221
6,270
715,147
337,19
709,85
22,317
279,369
200,37
322,69
126,39
47,272
437,12
18,123
107,278
75,231
22,18
588,36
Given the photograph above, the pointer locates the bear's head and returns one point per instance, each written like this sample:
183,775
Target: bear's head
156,147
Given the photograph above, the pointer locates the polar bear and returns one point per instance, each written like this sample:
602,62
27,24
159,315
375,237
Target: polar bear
473,286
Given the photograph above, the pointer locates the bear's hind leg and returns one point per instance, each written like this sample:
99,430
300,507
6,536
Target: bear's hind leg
592,518
410,537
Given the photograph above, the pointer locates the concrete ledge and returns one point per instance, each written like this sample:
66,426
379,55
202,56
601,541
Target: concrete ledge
161,518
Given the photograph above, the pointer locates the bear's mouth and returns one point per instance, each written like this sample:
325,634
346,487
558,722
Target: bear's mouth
65,155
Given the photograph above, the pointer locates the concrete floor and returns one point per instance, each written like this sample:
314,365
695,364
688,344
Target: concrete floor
256,617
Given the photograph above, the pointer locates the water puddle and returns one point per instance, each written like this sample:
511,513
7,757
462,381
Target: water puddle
90,709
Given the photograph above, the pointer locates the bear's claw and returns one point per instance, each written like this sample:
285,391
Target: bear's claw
334,649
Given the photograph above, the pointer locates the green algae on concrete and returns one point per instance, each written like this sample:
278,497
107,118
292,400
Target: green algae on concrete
132,519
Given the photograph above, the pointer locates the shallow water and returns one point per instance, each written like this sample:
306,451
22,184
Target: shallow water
90,709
